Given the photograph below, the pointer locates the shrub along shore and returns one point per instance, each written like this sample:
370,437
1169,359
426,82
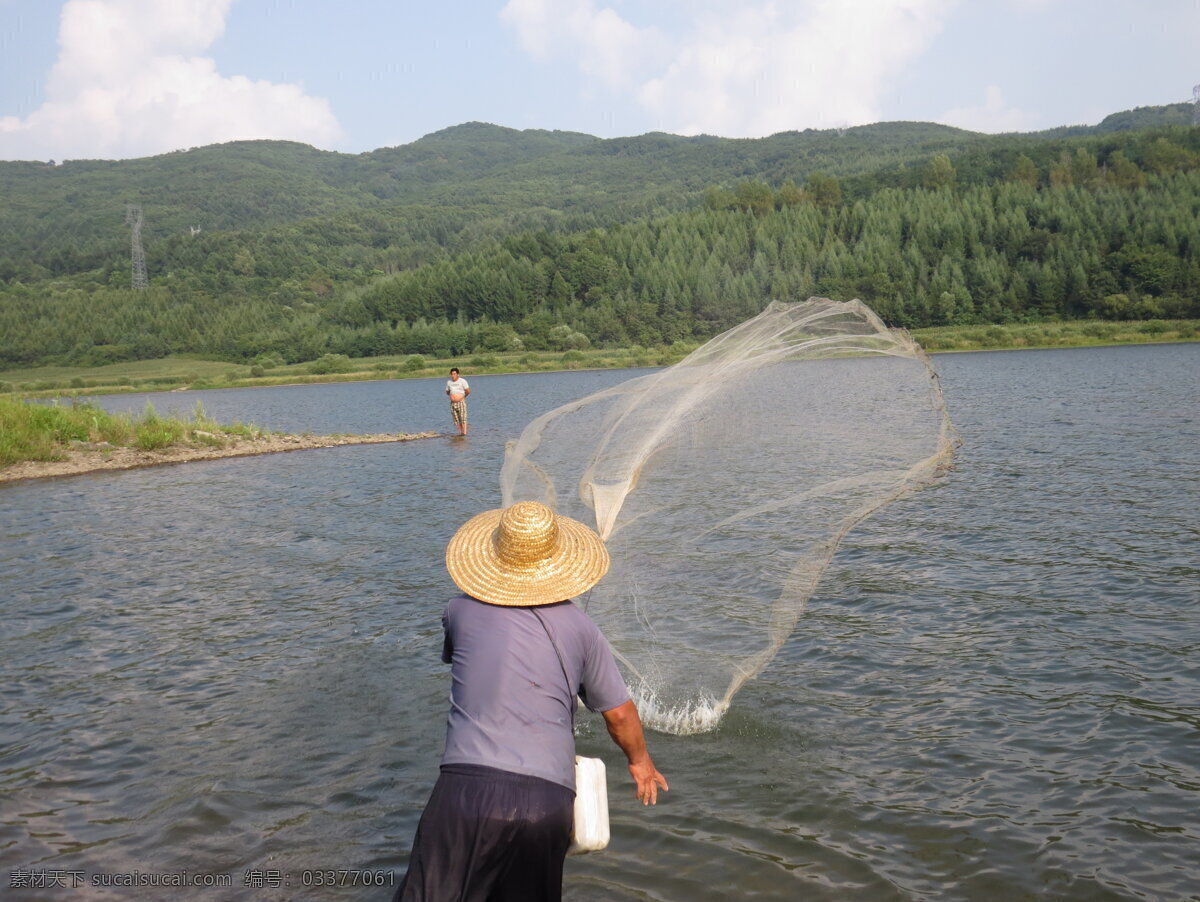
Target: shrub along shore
182,373
59,440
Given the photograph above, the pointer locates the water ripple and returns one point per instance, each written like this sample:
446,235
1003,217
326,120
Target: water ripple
233,665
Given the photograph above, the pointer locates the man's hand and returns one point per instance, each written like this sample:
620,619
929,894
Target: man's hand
648,779
625,728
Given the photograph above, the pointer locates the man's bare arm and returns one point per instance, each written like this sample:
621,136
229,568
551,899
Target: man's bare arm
625,728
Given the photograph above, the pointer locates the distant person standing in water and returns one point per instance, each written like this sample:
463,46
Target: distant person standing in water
458,390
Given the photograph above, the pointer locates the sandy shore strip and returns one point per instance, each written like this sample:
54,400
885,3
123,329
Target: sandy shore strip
89,459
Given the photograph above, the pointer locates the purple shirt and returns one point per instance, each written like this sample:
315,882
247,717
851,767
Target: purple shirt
510,707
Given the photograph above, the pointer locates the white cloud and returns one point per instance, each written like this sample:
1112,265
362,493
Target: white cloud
992,116
744,70
1033,6
131,80
602,44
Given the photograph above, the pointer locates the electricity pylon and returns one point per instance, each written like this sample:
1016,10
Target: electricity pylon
1196,107
133,217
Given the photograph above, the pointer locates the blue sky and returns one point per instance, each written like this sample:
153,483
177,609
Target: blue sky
127,78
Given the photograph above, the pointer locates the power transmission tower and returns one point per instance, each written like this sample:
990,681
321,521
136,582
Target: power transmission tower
133,217
1196,108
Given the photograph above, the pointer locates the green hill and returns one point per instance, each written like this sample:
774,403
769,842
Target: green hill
458,183
1147,117
301,252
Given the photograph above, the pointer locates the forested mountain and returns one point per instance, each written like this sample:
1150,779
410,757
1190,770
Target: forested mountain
441,192
1147,117
484,236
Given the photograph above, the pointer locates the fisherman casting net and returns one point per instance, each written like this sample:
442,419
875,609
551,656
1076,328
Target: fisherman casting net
723,484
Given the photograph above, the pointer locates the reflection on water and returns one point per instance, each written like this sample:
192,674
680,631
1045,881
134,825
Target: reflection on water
232,666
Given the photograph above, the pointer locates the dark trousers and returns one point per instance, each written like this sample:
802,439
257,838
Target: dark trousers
489,836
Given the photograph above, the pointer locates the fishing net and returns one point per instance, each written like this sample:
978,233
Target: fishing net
723,484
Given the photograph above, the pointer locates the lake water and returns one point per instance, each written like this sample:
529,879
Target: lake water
231,668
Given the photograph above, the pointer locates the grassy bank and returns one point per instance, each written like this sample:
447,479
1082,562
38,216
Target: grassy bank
176,373
47,432
1071,334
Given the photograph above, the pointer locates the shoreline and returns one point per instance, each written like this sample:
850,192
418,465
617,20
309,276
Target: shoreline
929,343
92,460
1078,347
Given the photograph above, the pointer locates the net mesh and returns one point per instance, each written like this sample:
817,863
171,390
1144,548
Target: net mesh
723,484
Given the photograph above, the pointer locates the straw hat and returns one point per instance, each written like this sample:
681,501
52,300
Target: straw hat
525,555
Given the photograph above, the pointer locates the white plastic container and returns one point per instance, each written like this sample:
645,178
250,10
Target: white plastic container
590,833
